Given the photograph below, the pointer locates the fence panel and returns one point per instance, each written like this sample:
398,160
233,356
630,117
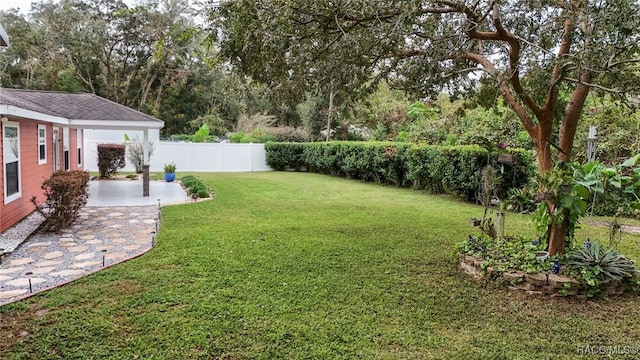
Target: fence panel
193,157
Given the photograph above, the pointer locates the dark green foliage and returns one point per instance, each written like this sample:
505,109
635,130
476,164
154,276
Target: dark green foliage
195,186
188,180
110,159
596,265
283,156
67,193
455,170
603,263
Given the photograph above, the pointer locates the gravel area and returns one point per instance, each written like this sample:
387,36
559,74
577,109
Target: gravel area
17,234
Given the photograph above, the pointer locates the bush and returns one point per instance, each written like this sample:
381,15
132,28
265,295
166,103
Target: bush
454,169
195,187
283,157
188,180
67,193
110,159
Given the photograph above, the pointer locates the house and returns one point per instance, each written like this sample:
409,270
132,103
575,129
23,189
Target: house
42,132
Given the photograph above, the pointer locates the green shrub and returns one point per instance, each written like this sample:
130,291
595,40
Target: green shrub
281,157
110,159
195,186
188,180
66,193
455,169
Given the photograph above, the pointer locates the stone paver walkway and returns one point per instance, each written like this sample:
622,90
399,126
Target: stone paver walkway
103,236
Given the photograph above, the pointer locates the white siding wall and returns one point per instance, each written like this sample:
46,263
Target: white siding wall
193,157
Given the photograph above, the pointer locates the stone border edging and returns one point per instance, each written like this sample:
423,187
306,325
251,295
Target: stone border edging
536,284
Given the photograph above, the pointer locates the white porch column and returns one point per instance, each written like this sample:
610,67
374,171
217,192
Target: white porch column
145,163
145,147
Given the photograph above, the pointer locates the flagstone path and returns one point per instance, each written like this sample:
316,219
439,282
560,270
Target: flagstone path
101,237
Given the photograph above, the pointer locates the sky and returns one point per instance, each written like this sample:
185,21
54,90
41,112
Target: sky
25,5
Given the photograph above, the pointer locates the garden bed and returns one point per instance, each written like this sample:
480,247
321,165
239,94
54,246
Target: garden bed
537,284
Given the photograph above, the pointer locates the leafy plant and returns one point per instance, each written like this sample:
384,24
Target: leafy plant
612,189
110,159
195,187
599,263
504,254
561,198
201,135
170,168
521,200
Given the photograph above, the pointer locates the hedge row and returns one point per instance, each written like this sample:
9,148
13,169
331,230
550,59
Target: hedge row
456,170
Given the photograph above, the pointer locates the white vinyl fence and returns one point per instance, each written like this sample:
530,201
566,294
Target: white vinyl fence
193,157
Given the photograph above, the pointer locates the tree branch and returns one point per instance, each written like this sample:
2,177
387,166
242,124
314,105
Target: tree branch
596,86
505,90
551,100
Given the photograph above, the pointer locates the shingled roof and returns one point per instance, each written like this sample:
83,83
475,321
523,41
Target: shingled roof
79,109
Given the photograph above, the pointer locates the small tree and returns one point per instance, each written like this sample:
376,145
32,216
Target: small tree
135,153
110,159
67,193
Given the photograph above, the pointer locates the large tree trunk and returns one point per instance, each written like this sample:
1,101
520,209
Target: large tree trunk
557,232
558,235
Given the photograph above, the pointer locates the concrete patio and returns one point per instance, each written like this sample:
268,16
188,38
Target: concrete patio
129,193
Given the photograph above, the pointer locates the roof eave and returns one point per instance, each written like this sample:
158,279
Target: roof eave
29,114
116,124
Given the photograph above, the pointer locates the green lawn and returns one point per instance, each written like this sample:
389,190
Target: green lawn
296,265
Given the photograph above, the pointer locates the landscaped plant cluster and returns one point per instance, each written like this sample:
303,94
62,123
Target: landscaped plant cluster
66,193
507,253
593,264
441,169
110,159
195,187
613,190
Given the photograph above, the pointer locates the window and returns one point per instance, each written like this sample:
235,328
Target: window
65,148
56,149
42,144
11,160
79,142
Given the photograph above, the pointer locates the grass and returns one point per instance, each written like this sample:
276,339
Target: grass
295,265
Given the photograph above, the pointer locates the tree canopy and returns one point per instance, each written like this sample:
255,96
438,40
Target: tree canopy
544,57
534,50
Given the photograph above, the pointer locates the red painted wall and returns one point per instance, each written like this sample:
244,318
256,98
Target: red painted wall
32,174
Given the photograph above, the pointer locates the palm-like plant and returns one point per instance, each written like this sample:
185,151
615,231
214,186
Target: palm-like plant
604,263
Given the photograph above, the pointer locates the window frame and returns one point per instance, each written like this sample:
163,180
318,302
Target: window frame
79,154
18,194
66,149
42,142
